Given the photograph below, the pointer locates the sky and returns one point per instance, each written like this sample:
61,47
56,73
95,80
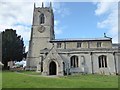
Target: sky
76,19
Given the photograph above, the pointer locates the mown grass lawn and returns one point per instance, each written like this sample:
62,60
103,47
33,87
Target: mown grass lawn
34,80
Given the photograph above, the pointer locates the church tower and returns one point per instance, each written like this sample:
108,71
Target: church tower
42,32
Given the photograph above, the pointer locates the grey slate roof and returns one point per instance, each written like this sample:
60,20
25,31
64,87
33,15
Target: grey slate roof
116,45
81,39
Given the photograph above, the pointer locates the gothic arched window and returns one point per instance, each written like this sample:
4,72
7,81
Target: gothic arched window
102,60
42,19
74,61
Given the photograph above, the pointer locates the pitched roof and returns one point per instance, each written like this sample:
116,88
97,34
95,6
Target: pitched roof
81,39
116,45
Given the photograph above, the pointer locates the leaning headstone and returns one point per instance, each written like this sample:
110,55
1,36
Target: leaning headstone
38,68
10,64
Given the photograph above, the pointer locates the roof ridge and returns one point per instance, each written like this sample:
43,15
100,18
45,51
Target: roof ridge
81,39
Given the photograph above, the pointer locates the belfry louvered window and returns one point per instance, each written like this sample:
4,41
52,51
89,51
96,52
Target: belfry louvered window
42,19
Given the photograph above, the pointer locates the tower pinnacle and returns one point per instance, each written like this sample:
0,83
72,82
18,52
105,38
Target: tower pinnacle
34,6
50,4
42,4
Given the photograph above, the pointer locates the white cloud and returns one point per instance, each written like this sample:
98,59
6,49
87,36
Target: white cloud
17,15
56,27
111,22
105,6
58,30
60,9
56,22
26,48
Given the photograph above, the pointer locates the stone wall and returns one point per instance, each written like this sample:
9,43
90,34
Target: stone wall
89,58
40,40
84,44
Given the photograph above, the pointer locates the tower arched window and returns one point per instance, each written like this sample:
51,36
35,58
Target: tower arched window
74,61
102,60
42,19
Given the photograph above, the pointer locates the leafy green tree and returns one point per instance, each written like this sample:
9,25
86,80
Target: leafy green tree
25,55
12,46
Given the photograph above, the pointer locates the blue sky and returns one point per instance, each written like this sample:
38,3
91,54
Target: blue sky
80,22
87,20
72,19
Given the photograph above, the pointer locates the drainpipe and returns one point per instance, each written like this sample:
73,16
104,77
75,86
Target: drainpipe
115,63
92,62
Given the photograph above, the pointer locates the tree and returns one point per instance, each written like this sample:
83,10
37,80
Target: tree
25,55
12,46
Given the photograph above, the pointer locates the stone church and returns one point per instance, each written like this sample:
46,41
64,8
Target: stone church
60,57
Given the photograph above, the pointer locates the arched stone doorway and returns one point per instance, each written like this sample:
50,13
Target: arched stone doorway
52,68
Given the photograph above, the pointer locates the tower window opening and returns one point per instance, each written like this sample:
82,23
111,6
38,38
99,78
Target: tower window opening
42,19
